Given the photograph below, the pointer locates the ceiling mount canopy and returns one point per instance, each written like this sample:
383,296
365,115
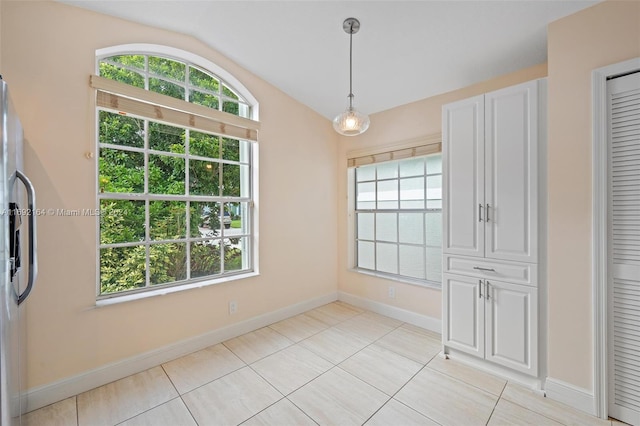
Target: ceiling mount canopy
351,122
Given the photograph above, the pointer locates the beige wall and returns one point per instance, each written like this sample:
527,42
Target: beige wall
405,123
47,62
49,52
601,35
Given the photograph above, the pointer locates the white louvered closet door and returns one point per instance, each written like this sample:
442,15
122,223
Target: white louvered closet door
624,248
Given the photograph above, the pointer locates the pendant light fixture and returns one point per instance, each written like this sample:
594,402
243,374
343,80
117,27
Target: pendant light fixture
351,122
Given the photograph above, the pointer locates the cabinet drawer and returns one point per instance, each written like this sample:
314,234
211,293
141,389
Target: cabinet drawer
513,272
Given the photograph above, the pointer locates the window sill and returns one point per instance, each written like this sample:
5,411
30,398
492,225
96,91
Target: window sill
420,283
114,300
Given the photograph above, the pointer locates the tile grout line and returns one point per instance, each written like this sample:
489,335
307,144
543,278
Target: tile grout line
536,412
179,394
496,404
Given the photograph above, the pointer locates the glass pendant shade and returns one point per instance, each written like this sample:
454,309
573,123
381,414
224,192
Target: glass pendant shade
351,122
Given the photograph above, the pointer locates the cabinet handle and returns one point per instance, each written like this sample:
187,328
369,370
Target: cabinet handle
486,290
479,212
487,212
480,287
484,269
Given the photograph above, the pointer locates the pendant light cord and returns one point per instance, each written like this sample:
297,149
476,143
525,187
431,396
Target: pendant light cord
351,66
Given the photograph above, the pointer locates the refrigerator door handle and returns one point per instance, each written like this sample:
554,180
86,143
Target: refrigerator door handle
33,260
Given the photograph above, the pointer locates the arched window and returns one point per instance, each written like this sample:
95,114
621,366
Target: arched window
176,144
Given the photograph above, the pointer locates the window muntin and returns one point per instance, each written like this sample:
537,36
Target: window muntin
176,203
398,218
175,78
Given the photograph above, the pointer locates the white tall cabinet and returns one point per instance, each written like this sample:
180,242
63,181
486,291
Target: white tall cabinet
492,222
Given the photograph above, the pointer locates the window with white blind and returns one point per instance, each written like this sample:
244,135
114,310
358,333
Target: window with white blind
175,175
398,216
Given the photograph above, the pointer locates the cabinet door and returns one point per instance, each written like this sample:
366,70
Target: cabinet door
463,319
463,177
511,201
511,328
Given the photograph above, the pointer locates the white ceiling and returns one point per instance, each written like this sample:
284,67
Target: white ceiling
404,51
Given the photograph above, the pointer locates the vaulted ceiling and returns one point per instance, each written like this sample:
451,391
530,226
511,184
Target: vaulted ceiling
405,50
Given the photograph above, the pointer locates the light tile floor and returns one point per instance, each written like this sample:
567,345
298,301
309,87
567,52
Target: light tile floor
334,365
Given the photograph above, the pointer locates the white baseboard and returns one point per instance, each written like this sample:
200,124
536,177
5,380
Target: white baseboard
571,395
430,323
65,388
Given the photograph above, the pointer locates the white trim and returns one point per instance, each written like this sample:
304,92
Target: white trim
70,386
120,298
530,382
424,321
599,227
571,395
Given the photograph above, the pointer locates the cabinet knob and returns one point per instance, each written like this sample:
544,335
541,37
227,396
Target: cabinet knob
480,288
479,212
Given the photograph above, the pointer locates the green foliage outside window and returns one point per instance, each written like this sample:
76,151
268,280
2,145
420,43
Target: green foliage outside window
139,156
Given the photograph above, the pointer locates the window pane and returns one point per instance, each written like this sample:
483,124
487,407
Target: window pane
205,258
166,138
166,175
387,227
204,145
205,220
230,149
121,221
234,253
239,218
411,228
434,229
434,164
365,226
365,173
121,171
120,269
203,80
231,107
232,176
366,255
117,129
388,194
205,99
434,264
412,167
434,187
204,178
166,88
434,204
228,92
387,258
167,220
388,170
366,196
412,193
168,68
412,261
122,75
133,61
167,263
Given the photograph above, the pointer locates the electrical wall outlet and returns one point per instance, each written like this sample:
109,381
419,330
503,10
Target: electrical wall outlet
233,307
391,292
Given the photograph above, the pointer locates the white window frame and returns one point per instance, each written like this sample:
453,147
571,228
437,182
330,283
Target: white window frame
392,153
251,154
